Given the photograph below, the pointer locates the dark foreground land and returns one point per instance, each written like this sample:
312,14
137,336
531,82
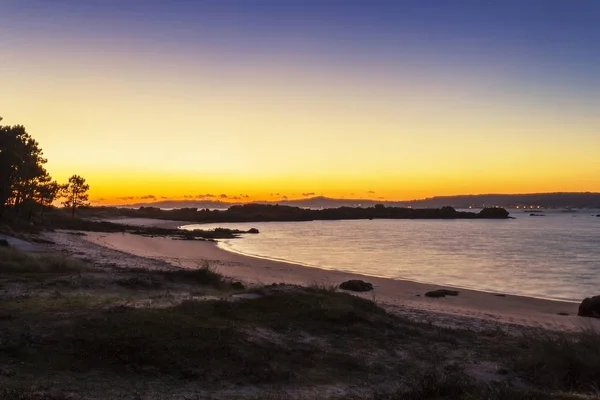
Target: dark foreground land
71,329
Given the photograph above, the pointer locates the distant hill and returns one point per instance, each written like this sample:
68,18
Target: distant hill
544,200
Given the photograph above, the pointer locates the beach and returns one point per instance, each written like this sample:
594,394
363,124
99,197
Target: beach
475,308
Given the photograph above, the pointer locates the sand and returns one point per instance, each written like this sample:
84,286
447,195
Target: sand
474,308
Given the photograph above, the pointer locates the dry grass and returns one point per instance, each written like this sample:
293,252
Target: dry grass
562,361
290,336
14,261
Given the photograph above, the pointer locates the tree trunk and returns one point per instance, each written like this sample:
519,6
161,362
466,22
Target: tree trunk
74,203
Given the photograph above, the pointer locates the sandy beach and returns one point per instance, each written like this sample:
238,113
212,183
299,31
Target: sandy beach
475,308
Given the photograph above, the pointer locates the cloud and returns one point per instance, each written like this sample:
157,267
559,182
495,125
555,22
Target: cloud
188,196
284,198
163,197
209,195
223,196
101,199
127,198
381,198
308,194
371,192
236,198
148,197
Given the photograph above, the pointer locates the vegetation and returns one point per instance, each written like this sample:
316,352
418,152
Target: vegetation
263,212
15,261
176,334
76,193
556,361
25,185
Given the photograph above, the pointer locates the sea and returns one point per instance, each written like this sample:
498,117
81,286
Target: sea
553,255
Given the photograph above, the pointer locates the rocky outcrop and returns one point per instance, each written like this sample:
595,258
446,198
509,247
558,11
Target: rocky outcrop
493,212
442,293
590,307
356,285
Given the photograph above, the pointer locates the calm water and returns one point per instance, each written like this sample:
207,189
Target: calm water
555,257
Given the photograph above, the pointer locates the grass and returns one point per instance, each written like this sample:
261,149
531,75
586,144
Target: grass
14,261
203,276
206,276
434,383
210,341
260,342
28,394
289,336
560,360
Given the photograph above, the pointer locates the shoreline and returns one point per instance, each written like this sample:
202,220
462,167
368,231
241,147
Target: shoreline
401,296
298,263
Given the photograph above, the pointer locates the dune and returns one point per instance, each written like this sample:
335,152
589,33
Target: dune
475,308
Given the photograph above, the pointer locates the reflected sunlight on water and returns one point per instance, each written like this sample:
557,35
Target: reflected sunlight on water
556,257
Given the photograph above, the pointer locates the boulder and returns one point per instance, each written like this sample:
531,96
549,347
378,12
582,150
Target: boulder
252,230
237,285
590,307
356,285
442,293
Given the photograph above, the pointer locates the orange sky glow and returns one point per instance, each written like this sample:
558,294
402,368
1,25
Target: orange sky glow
143,118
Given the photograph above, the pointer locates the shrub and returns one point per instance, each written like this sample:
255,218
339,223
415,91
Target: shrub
561,360
15,261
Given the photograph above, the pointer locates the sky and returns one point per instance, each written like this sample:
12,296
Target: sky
257,100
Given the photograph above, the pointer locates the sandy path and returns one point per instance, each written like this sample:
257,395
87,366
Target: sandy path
406,297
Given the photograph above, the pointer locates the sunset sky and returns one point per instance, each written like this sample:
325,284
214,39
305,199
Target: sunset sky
264,99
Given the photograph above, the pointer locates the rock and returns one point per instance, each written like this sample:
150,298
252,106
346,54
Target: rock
562,313
590,307
493,212
356,285
448,212
237,286
252,230
442,293
4,243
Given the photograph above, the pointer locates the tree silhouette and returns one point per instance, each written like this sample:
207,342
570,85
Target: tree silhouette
76,194
21,167
46,193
